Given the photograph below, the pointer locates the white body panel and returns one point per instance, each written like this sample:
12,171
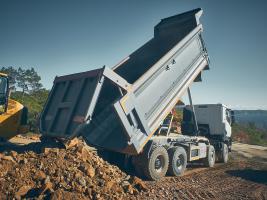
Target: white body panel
202,150
216,116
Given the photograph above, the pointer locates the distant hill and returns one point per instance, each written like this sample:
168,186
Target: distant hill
252,117
250,127
249,134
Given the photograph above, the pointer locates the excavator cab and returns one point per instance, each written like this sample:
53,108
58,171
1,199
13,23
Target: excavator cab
3,93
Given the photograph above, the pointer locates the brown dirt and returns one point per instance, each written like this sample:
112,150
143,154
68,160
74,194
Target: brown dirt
77,172
73,171
241,136
254,152
241,178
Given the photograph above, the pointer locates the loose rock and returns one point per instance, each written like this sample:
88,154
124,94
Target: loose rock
22,191
74,172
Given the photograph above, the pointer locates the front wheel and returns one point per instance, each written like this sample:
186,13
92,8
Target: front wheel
224,154
209,161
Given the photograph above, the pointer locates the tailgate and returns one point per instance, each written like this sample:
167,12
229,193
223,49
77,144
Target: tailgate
70,103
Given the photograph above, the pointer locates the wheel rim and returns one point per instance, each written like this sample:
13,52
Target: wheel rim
159,163
180,162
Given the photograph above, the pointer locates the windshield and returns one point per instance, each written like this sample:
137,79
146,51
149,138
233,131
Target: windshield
3,90
3,85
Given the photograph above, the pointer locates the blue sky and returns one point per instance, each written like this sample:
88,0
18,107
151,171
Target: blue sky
63,37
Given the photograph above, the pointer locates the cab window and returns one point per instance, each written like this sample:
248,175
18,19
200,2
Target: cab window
3,90
228,116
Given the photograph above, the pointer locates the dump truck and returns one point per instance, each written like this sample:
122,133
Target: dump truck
121,109
13,115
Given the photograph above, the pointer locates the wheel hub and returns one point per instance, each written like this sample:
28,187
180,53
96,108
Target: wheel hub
179,162
159,163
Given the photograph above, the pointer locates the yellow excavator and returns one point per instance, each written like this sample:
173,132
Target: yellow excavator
13,115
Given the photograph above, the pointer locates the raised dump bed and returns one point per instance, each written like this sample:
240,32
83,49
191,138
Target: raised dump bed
119,109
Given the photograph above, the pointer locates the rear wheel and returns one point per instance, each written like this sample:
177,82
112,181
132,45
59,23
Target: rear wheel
209,161
178,161
154,166
157,164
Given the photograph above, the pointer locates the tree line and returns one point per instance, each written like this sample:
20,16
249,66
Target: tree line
26,80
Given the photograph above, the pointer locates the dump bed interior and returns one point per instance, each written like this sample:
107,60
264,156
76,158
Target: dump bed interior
159,71
166,35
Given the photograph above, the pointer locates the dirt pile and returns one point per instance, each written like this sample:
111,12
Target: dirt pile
72,172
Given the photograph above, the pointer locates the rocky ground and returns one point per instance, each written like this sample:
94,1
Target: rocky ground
236,180
75,171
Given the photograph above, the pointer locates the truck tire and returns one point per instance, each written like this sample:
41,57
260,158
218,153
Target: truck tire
157,164
178,161
209,161
224,154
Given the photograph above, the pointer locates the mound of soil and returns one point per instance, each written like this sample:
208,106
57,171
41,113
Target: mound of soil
73,171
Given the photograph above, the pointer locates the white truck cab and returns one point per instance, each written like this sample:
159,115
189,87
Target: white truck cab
215,117
213,122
